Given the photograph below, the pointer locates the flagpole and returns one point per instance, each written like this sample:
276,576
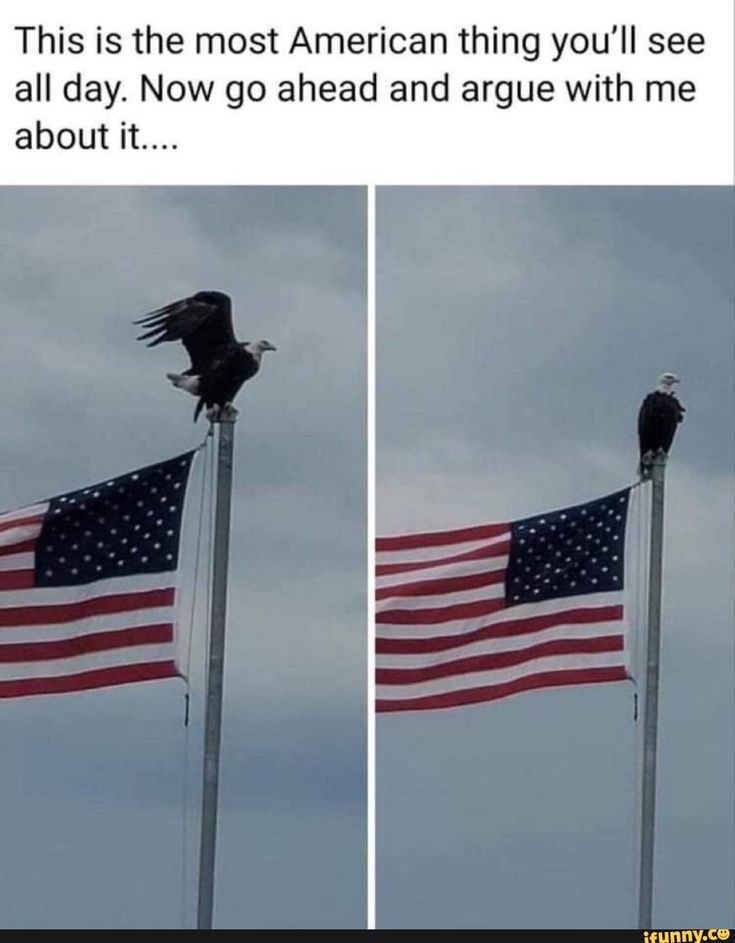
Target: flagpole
650,715
213,715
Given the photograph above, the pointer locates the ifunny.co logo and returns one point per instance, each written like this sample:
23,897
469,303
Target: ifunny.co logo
684,936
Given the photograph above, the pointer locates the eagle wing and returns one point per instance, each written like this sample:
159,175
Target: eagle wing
657,420
202,322
644,415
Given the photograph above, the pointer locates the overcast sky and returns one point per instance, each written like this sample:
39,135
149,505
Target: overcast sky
517,331
92,809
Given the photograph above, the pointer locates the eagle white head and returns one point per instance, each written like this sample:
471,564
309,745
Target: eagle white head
667,382
258,348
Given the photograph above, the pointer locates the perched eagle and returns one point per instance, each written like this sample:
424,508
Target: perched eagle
220,364
659,415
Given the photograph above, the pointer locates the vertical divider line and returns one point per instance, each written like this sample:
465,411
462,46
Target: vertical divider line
370,557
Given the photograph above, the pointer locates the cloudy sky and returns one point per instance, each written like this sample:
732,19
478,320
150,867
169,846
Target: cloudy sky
93,785
517,331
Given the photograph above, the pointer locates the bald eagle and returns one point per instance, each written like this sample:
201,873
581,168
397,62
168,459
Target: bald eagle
659,415
220,364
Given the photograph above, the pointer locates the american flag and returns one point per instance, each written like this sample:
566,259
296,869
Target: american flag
88,584
472,615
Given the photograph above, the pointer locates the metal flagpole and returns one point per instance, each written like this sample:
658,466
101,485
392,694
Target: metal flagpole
650,716
213,716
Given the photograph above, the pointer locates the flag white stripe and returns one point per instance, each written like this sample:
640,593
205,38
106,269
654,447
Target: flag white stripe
480,679
19,535
57,595
31,511
17,561
440,600
510,614
436,553
105,623
448,571
498,645
60,667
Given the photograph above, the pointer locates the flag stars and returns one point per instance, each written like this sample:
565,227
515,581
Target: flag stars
95,532
572,546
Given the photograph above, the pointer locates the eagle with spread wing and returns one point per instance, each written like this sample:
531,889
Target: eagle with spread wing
220,364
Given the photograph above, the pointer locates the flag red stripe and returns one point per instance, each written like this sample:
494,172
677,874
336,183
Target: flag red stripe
440,538
101,605
433,616
606,643
507,629
481,553
545,679
27,546
99,678
85,644
450,584
21,522
16,579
